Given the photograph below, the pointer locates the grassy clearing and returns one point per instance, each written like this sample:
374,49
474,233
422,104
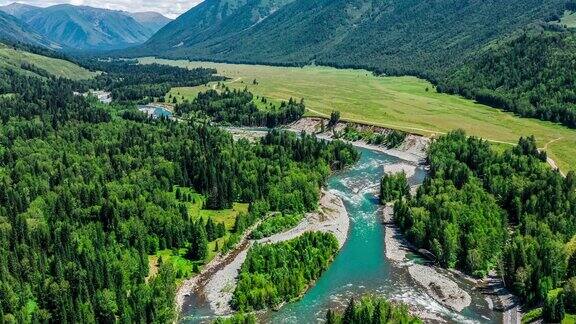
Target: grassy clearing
11,58
569,319
568,19
396,102
183,266
532,315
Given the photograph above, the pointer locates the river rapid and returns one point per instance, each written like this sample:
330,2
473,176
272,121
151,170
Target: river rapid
362,267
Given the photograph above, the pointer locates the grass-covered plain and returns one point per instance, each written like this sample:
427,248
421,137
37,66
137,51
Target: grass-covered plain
405,103
12,58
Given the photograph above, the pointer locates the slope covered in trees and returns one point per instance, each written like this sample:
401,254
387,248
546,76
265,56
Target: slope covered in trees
415,36
86,196
481,210
531,75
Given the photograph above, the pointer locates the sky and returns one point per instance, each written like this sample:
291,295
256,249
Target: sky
169,8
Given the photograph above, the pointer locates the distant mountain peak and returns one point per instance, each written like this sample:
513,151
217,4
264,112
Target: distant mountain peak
17,9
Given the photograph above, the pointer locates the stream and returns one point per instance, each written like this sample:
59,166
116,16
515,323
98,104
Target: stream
361,267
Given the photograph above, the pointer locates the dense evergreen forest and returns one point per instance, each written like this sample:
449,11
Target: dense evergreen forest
129,81
480,210
394,187
87,193
531,75
280,272
371,309
238,108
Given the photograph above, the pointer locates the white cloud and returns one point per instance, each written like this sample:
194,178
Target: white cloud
169,8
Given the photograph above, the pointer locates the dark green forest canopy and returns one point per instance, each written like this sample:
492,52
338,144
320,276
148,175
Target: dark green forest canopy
532,75
280,272
480,210
474,48
371,309
392,37
235,107
128,81
86,196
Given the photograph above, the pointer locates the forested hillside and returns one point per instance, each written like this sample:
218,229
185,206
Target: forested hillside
210,20
87,193
531,75
415,36
481,210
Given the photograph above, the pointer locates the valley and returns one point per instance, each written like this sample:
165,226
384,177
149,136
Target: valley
393,102
288,161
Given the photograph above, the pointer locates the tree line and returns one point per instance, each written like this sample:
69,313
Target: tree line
371,309
480,210
128,80
237,107
531,75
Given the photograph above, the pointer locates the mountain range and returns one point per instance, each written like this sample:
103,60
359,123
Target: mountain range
13,30
83,28
395,36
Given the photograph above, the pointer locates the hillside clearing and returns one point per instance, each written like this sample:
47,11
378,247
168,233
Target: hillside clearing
12,58
405,103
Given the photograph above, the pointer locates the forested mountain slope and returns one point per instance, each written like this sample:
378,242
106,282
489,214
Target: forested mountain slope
532,75
211,20
391,36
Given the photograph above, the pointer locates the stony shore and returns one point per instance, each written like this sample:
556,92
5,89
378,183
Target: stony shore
413,150
218,285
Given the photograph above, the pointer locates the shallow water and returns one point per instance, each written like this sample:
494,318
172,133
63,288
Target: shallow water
361,267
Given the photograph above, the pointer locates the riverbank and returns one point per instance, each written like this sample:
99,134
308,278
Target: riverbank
218,286
412,150
331,217
192,285
440,287
438,282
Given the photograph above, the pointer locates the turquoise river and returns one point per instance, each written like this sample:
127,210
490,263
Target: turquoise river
361,267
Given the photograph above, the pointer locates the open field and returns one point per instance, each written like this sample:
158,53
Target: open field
568,19
395,102
12,58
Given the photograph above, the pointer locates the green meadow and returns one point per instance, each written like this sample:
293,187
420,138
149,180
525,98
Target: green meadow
13,59
405,103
